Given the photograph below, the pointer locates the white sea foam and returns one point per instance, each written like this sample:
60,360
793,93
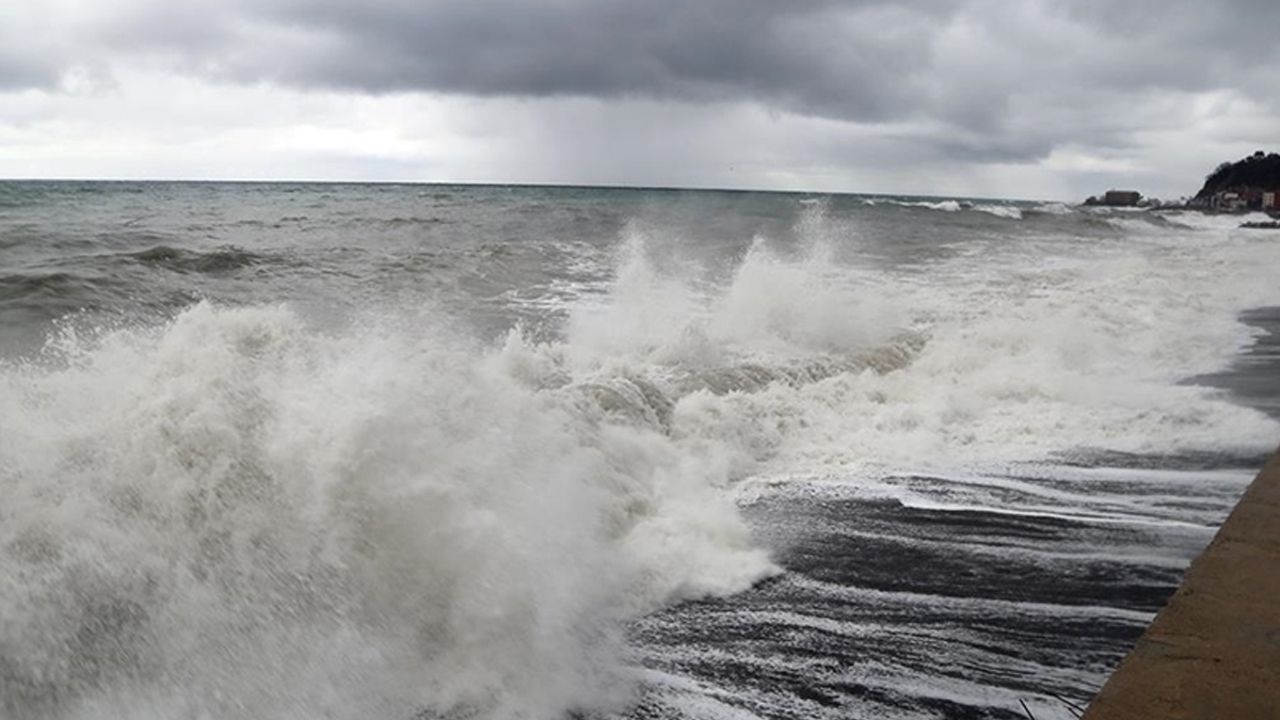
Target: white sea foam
1001,210
1056,208
943,205
1028,350
1208,221
237,515
1010,212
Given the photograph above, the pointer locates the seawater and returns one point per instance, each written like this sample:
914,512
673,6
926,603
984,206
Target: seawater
417,451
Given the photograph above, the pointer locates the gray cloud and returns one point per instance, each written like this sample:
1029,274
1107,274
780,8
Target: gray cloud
852,60
863,60
842,58
17,72
991,80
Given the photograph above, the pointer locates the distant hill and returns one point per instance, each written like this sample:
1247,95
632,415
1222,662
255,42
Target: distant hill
1259,170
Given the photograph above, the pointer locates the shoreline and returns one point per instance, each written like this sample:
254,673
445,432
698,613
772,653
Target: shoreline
1213,651
1249,377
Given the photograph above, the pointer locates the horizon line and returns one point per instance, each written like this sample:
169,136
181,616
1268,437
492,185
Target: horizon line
493,184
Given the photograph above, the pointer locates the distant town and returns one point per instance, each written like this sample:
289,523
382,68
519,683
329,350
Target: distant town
1250,184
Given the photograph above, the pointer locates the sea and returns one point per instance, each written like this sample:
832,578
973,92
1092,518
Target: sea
485,452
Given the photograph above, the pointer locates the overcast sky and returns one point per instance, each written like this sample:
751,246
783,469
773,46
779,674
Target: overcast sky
1010,98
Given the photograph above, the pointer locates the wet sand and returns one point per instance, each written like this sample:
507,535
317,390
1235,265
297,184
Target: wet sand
1213,652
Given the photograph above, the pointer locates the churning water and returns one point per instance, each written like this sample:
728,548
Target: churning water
301,451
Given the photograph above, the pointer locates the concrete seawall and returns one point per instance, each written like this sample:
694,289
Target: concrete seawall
1213,652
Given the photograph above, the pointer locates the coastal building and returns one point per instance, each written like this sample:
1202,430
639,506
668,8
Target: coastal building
1241,199
1121,197
1116,198
1229,201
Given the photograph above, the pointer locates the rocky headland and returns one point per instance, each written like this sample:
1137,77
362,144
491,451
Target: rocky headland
1258,172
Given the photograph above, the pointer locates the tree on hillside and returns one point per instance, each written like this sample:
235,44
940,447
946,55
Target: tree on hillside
1259,170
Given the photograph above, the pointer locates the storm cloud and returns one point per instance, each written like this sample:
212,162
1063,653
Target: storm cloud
962,81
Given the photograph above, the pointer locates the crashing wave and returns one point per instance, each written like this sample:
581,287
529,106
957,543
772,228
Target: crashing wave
237,514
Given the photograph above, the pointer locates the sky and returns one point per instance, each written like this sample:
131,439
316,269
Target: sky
1032,99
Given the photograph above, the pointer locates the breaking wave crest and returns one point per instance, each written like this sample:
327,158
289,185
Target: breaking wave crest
377,523
236,514
1001,210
